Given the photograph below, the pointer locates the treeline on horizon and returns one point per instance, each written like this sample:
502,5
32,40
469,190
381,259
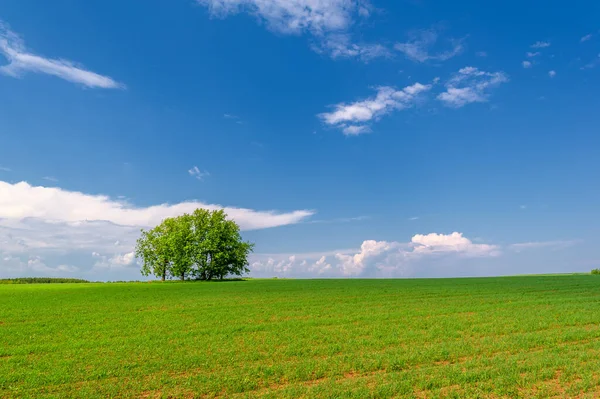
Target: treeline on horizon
41,280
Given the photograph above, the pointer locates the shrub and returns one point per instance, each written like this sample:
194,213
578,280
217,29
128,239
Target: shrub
596,271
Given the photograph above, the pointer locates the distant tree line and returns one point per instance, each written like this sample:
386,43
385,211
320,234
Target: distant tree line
204,245
41,280
596,271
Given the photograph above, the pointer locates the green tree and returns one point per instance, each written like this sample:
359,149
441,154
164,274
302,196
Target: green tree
153,250
204,244
218,248
178,235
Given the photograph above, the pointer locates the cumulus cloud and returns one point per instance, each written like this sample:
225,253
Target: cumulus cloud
117,261
22,61
470,85
540,44
353,118
552,74
527,64
418,47
34,265
375,258
327,21
451,243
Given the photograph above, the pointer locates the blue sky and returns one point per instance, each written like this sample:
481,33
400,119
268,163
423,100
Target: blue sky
348,138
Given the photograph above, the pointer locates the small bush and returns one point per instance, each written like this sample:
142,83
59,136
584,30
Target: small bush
596,271
41,280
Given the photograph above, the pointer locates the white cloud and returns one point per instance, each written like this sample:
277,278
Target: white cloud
37,265
328,21
124,260
352,118
481,54
339,45
527,64
540,44
21,201
22,61
50,179
116,261
355,130
5,169
534,54
419,45
552,74
586,38
197,173
455,243
375,258
470,85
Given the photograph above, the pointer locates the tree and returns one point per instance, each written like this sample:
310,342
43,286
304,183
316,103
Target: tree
204,244
152,248
218,249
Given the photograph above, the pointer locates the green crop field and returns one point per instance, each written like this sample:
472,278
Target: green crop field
530,336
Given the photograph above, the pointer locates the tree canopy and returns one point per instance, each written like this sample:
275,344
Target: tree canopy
204,245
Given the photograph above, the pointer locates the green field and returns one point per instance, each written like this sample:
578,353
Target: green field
531,336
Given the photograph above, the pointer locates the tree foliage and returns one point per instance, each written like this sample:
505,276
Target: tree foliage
204,245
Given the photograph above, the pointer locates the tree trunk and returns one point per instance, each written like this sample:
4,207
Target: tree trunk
182,276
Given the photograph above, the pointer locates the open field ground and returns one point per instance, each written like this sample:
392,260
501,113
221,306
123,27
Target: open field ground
534,336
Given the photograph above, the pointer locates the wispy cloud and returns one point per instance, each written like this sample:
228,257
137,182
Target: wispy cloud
526,64
197,173
340,220
418,47
470,85
481,54
552,245
234,118
592,64
534,54
540,44
586,38
22,61
353,118
327,21
552,73
5,169
50,179
340,45
414,218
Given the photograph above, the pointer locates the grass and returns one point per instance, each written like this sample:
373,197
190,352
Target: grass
438,338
